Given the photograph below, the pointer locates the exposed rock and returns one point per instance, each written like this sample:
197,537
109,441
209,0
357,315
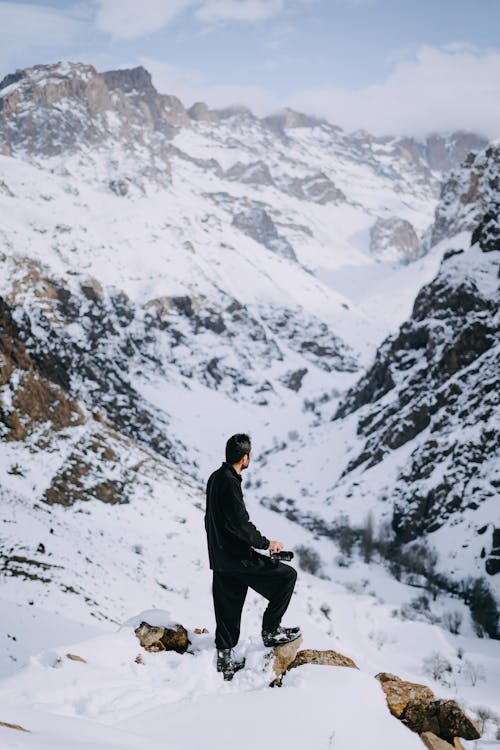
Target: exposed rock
399,693
433,742
154,638
470,198
283,657
256,223
438,377
487,231
75,657
394,239
27,398
444,718
13,726
492,563
329,658
317,188
387,677
289,118
293,380
256,173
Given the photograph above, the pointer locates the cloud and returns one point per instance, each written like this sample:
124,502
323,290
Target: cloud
191,86
455,87
239,10
28,25
126,19
436,90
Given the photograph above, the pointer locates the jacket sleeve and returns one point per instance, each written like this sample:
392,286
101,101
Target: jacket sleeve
237,520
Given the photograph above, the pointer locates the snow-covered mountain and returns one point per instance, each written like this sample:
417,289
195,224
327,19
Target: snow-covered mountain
169,277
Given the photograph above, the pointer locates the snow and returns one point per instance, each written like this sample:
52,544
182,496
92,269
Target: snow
105,567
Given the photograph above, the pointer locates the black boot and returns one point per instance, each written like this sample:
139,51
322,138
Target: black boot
227,664
280,635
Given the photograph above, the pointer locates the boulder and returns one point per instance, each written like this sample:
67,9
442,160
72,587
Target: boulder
154,638
13,726
399,693
444,718
283,657
328,657
433,742
454,722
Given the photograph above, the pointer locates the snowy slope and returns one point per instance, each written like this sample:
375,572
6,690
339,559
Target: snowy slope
168,278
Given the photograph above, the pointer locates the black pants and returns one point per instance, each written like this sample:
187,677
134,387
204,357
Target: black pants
275,581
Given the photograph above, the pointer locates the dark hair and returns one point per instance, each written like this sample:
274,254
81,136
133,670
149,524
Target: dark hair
236,447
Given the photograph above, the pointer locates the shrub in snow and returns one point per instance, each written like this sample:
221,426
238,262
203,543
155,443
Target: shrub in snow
437,667
309,560
452,621
483,607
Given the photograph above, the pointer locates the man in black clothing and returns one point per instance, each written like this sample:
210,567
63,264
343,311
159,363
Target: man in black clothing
232,539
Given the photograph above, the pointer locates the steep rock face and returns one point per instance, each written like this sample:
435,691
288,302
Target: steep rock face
435,383
470,197
47,111
432,391
28,399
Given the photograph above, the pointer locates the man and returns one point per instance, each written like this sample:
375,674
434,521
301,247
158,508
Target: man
232,539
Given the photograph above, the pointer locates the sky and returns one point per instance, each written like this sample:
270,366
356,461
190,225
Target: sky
387,66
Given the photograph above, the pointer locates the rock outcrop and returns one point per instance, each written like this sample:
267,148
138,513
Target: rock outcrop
437,721
155,638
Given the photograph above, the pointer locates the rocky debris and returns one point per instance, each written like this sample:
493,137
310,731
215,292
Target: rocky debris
284,655
256,223
153,638
75,657
13,726
91,472
328,658
399,692
394,238
433,742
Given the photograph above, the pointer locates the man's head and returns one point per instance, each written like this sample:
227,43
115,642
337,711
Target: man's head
238,449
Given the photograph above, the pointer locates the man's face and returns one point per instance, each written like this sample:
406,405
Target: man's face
246,460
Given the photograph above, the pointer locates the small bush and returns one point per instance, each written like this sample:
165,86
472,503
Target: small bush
483,607
367,542
309,560
452,621
437,667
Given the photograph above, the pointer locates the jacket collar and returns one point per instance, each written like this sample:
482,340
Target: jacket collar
232,470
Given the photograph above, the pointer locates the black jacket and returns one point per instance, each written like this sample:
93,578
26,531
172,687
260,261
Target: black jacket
230,533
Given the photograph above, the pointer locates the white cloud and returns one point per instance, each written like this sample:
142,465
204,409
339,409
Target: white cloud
439,90
127,19
239,10
191,86
29,25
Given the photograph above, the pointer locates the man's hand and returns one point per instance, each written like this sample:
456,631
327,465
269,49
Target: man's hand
275,547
